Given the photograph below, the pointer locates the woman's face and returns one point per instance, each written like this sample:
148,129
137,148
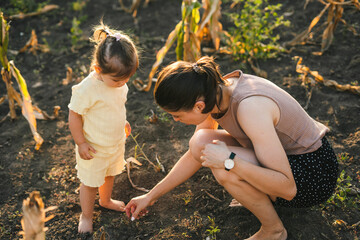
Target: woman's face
192,117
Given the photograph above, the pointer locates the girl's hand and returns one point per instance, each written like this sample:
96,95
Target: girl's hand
85,150
137,207
127,129
214,154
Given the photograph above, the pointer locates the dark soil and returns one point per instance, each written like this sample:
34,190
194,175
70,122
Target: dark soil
183,213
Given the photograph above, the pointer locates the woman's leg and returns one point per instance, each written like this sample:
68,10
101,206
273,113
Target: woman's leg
87,201
254,200
105,196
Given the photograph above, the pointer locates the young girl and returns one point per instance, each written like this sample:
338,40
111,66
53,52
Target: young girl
97,120
269,152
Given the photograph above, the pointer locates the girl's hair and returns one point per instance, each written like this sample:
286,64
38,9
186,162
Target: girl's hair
181,84
115,53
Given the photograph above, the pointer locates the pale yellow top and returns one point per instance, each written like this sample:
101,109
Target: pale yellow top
103,113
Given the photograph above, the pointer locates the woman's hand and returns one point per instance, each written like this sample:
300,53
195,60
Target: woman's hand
127,129
85,150
137,206
214,154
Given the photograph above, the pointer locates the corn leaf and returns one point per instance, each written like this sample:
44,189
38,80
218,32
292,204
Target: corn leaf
27,108
159,59
305,71
180,44
210,21
45,9
327,38
4,41
303,35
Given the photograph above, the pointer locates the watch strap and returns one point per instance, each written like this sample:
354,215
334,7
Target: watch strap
232,155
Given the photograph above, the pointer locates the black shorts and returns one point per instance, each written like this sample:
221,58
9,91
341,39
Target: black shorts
315,176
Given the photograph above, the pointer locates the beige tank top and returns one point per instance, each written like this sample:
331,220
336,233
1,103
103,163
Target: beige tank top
297,131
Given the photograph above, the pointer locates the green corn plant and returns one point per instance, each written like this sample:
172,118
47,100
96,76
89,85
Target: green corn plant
8,71
252,36
342,196
213,230
189,33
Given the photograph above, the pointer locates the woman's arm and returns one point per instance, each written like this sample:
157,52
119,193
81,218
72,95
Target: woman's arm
183,170
270,172
258,117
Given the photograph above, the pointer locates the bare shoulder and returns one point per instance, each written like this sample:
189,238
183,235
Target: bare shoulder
257,103
258,108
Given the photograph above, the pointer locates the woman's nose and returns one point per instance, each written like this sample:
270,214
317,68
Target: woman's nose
176,119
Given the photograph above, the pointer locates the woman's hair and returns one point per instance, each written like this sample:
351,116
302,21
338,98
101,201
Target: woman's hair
115,53
181,84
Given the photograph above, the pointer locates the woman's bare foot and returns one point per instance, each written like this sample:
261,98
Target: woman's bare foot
235,203
113,205
269,235
85,225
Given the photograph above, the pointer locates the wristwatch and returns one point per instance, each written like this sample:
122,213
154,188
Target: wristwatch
229,163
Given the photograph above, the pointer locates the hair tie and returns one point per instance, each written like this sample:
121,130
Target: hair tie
117,35
196,67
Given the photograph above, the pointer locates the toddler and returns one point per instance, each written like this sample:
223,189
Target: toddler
97,120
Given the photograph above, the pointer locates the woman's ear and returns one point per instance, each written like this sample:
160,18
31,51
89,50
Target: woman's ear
199,106
97,69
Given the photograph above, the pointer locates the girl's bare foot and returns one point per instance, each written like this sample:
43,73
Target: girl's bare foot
113,205
269,235
85,225
235,203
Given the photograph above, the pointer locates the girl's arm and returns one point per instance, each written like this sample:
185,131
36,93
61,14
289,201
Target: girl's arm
76,129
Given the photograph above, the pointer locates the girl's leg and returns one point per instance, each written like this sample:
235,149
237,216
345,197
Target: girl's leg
87,201
254,200
105,196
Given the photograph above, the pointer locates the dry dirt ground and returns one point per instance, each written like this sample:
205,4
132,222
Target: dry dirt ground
185,212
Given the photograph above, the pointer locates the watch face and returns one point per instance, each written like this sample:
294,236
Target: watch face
229,163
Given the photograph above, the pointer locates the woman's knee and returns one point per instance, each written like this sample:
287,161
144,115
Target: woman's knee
198,141
223,177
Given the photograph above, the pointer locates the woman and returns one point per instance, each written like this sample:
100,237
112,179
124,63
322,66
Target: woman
268,152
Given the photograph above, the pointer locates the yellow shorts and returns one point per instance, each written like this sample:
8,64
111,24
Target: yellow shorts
92,172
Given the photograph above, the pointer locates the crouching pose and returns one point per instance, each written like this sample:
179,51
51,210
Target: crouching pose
268,152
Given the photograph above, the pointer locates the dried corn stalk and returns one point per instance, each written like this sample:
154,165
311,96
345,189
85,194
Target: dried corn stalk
156,168
335,12
24,101
33,45
307,73
189,34
134,6
210,27
33,221
27,108
128,167
45,9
